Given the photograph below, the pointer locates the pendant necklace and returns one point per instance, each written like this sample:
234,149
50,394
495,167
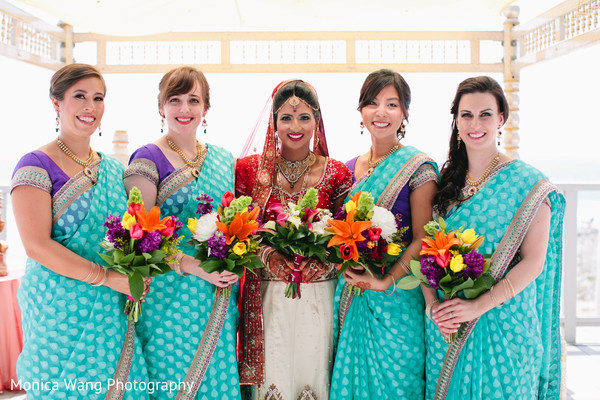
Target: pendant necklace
293,170
195,162
473,186
85,164
372,164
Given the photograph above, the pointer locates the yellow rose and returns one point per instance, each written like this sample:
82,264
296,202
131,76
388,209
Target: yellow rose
128,219
350,206
239,249
456,263
393,249
192,223
468,236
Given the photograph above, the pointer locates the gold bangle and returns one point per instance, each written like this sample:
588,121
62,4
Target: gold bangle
404,266
104,278
393,284
429,307
508,286
176,264
494,300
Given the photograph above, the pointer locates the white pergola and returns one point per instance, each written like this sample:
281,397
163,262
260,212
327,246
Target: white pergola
237,36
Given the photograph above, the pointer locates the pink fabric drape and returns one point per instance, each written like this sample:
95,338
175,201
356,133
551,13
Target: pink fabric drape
11,334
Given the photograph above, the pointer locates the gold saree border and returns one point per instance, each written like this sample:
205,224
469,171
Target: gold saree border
206,348
505,252
75,187
178,179
117,389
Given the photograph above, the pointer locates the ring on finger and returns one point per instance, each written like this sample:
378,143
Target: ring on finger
281,267
451,314
313,267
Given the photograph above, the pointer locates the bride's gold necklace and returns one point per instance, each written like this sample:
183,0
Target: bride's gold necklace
372,164
85,164
194,162
474,185
293,170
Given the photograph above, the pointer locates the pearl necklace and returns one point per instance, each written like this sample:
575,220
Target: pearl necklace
474,185
199,157
293,170
85,164
372,164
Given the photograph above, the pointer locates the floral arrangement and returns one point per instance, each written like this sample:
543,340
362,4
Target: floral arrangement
137,245
365,236
298,232
451,263
226,239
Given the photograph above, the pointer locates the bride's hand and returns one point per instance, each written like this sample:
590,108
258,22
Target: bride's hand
280,265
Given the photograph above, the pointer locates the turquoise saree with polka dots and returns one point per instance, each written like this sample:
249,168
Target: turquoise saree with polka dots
512,352
380,352
73,333
177,309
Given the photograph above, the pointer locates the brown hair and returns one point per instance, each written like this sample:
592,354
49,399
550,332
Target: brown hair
70,74
379,79
454,170
182,80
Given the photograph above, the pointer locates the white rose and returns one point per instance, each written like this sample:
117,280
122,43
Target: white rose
319,227
296,221
206,228
384,219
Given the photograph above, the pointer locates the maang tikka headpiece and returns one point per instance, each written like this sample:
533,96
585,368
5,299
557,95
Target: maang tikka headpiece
294,101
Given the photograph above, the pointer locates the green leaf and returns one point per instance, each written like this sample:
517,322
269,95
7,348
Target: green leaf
143,270
117,256
210,266
465,285
481,284
108,259
157,256
136,285
127,259
408,282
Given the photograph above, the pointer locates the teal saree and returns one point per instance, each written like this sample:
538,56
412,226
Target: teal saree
74,333
512,352
380,353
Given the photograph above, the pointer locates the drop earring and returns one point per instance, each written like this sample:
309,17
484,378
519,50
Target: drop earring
100,130
458,140
57,123
162,125
204,124
362,127
499,137
402,131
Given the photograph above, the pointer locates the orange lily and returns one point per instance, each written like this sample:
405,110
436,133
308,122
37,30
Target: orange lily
355,197
440,247
242,225
348,232
151,221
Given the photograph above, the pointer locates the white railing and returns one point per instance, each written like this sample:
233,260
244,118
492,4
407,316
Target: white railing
570,319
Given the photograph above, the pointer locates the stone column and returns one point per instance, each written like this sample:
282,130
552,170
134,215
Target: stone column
120,143
510,129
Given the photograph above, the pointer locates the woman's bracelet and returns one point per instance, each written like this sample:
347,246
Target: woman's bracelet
404,266
104,277
265,254
176,264
510,290
393,284
89,275
429,307
494,300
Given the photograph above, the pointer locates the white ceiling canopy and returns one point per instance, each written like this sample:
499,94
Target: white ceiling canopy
140,17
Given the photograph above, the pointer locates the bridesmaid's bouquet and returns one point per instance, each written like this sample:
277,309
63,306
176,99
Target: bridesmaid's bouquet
366,236
298,232
450,263
226,239
137,245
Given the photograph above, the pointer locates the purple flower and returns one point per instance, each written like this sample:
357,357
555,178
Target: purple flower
178,226
115,229
432,271
474,264
217,246
398,218
149,242
204,204
362,247
258,217
340,214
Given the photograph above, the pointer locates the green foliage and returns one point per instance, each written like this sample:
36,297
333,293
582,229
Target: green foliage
135,196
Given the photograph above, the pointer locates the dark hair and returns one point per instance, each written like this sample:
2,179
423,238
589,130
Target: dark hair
454,170
182,80
70,74
379,79
300,89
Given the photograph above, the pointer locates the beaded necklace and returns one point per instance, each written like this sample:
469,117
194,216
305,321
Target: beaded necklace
193,163
372,164
473,186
